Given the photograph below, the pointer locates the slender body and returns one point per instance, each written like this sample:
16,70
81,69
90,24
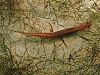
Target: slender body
63,32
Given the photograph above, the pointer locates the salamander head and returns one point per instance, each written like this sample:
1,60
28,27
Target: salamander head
88,24
85,25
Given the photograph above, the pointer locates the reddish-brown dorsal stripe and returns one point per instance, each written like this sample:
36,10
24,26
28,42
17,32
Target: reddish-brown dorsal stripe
81,26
